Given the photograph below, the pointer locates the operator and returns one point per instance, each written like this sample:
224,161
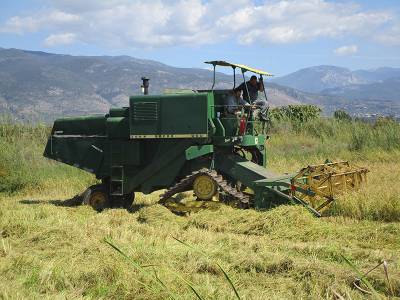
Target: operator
234,101
253,86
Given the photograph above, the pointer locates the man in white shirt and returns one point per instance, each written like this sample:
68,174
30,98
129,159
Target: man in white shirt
234,101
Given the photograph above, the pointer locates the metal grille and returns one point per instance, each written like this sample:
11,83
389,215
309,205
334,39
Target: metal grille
145,111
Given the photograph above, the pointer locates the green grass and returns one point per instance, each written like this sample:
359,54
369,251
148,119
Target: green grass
292,147
50,250
23,167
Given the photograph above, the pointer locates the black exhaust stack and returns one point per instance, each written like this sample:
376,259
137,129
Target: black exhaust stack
145,86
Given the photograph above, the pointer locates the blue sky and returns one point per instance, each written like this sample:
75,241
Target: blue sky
278,36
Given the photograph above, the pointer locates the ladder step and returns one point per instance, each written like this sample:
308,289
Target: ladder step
116,189
117,180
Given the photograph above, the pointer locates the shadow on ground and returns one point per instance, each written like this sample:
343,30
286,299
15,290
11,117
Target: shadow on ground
173,204
75,201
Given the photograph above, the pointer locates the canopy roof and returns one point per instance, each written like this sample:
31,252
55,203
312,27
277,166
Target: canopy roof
244,68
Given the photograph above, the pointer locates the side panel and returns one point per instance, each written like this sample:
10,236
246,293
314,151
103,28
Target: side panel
86,153
84,125
163,162
169,116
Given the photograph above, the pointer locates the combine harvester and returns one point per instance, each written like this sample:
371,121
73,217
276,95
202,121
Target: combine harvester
188,141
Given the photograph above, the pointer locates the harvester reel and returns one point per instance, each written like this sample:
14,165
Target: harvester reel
317,186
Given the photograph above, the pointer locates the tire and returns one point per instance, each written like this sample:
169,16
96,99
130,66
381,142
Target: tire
124,201
97,196
127,200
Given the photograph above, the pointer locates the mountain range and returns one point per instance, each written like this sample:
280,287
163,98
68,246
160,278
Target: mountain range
43,86
325,79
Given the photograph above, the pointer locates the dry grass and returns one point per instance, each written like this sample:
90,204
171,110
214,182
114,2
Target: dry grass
378,200
48,250
51,250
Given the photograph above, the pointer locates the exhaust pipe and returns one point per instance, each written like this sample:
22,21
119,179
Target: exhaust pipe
145,86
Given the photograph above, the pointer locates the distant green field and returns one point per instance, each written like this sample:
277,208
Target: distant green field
51,250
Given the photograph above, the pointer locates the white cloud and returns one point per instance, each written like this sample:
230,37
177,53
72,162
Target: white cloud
295,21
61,17
20,25
157,23
60,39
391,36
346,50
38,21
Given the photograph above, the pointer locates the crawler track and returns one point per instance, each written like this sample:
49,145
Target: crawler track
232,195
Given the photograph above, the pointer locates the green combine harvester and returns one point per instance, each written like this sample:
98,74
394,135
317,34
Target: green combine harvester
188,141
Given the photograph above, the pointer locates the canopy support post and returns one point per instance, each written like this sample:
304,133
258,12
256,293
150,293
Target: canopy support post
245,84
263,86
265,94
212,88
234,76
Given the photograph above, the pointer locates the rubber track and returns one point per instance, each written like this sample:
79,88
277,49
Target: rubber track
187,182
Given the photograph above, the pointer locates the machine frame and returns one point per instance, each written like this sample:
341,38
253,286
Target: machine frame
182,142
